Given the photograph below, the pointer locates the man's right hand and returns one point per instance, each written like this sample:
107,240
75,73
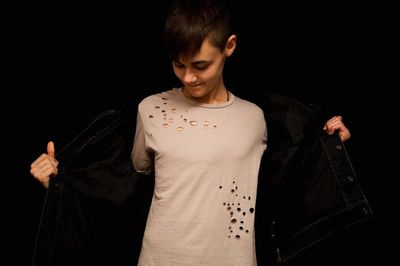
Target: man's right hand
45,166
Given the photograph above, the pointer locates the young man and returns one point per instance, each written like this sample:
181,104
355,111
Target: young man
204,145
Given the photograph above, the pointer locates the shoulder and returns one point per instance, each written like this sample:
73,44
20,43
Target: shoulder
250,111
248,106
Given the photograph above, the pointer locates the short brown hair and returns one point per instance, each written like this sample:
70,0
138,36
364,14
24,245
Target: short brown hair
190,22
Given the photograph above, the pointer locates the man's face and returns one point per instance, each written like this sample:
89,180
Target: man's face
201,74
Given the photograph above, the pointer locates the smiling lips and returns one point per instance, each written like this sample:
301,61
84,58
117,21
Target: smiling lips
194,86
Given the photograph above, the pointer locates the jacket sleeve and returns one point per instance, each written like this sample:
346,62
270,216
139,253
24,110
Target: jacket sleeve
96,208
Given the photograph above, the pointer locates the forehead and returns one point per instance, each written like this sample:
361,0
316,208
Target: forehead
207,52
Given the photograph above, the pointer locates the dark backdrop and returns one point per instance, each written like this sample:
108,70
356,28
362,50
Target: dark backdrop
71,61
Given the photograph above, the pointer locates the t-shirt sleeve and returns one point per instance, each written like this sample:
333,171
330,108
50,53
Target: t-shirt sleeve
265,137
142,158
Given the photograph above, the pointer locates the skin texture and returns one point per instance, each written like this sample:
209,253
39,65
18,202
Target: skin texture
201,74
202,79
45,166
335,124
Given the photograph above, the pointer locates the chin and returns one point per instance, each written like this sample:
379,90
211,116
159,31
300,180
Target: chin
196,91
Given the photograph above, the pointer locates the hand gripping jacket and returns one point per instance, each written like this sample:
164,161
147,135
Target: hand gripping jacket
95,210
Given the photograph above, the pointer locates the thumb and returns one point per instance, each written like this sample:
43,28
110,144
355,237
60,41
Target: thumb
50,149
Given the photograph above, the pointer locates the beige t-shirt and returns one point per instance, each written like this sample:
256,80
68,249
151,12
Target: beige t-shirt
206,159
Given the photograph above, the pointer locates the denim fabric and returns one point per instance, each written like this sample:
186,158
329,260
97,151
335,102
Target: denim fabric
96,208
308,189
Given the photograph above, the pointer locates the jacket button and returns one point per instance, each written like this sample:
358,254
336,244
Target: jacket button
350,178
338,147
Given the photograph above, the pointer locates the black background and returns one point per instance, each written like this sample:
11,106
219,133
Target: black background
68,62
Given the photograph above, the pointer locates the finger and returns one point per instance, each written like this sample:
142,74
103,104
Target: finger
344,133
50,163
332,128
33,172
338,117
334,122
44,172
47,170
50,149
43,164
344,136
334,118
42,157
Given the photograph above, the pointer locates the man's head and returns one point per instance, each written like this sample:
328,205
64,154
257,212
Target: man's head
190,22
198,40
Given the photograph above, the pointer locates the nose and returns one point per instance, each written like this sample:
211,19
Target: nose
189,76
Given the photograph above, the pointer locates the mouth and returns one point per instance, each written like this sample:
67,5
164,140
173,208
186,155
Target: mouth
193,87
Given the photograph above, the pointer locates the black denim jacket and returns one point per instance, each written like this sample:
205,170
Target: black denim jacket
96,208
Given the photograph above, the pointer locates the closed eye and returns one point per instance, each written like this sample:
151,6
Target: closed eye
178,65
201,66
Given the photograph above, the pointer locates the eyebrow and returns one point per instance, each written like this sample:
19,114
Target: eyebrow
195,62
201,62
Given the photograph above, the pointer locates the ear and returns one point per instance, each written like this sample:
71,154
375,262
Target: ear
230,45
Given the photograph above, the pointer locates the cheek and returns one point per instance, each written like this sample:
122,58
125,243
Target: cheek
209,74
178,73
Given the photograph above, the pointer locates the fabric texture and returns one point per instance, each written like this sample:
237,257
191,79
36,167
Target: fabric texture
96,208
207,160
